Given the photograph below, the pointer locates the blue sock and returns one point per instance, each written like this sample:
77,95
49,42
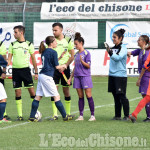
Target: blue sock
61,109
2,109
35,105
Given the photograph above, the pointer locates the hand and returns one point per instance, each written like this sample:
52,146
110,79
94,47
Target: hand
129,54
138,82
36,76
63,67
3,76
69,81
81,58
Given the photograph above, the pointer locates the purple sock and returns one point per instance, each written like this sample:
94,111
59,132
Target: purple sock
91,105
81,105
147,108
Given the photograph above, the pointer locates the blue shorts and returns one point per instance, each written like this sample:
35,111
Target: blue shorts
82,82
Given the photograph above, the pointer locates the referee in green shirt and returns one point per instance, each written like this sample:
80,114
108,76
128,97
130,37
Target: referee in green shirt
21,50
65,51
3,52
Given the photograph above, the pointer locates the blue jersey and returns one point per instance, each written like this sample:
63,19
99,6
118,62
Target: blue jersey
49,62
117,67
3,62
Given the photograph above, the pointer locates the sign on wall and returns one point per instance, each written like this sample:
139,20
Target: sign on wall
134,29
7,32
88,30
95,10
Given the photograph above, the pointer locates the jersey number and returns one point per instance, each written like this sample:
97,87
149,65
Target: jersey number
43,61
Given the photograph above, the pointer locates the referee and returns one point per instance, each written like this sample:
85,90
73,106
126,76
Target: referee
3,72
21,50
65,51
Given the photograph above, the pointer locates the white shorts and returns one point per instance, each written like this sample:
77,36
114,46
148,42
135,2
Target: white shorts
46,86
2,92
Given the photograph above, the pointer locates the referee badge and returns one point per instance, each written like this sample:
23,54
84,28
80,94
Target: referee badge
25,51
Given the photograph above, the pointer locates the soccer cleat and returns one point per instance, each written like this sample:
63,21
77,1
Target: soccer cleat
34,120
7,117
146,120
132,118
116,118
54,118
19,118
80,118
70,117
125,118
5,121
92,118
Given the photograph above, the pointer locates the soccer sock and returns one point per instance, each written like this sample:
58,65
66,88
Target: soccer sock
54,107
91,105
35,105
81,105
147,108
19,106
32,98
140,106
2,109
5,113
68,105
61,109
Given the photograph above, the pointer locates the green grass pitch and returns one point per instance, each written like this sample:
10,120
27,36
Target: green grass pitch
75,135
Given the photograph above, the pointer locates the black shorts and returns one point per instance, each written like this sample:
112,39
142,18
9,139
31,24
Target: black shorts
22,75
1,80
58,76
117,84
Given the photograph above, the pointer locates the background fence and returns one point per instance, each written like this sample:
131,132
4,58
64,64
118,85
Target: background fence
28,13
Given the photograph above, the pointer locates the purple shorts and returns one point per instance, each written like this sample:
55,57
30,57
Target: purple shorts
144,86
82,82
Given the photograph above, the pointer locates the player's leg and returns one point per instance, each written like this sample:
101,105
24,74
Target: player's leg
139,107
3,97
57,76
66,92
80,102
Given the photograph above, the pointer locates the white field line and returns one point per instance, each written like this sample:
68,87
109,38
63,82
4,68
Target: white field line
20,124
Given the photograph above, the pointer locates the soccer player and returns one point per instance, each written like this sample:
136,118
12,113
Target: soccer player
143,82
3,95
118,75
65,51
46,85
3,72
82,77
146,99
21,50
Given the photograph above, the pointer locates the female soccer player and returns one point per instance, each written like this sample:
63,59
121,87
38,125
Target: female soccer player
143,82
146,99
82,77
3,95
118,75
46,86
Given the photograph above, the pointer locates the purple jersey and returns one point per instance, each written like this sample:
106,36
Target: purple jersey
143,54
80,70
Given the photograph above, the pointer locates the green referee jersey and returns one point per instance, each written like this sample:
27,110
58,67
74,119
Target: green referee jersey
2,49
64,45
21,52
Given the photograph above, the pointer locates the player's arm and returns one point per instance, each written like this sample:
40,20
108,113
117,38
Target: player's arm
134,53
34,65
71,58
9,58
70,79
87,61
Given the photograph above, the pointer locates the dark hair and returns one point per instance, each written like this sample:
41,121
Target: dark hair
79,38
145,38
57,24
120,33
48,41
20,28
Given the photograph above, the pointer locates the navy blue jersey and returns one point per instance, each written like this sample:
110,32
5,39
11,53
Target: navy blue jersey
49,62
3,62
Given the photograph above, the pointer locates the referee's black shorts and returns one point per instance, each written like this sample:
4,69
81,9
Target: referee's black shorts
117,84
20,75
58,76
